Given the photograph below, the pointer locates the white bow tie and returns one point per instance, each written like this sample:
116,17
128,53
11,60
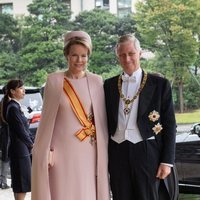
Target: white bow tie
129,78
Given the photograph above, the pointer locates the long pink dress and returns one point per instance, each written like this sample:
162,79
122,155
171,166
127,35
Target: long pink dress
80,169
79,158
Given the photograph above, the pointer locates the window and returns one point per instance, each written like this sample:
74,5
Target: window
6,8
124,3
102,4
124,7
106,3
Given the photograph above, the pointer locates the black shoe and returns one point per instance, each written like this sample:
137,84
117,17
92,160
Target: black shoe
4,186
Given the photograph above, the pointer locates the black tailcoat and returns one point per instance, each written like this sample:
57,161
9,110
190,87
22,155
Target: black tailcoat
156,95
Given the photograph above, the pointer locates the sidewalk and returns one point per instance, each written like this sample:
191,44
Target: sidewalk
7,194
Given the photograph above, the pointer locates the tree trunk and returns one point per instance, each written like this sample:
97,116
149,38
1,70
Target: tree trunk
195,70
181,99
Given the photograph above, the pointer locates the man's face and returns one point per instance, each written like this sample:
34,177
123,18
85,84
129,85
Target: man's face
128,56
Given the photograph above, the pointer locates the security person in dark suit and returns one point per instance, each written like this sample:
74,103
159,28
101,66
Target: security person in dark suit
4,145
21,142
142,128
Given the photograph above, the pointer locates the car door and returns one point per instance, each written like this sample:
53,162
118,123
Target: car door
188,159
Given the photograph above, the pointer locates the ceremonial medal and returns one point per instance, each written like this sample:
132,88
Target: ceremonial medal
127,111
127,101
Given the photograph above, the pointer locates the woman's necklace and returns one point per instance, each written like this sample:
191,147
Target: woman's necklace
128,101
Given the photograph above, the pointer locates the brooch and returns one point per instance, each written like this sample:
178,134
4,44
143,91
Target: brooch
154,116
157,128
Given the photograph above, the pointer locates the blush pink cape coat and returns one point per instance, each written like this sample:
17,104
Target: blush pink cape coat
52,93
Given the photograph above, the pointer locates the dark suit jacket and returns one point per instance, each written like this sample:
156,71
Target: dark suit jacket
4,133
156,95
21,141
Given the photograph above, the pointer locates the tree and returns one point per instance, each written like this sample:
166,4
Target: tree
9,33
162,26
126,25
42,39
104,28
101,26
196,31
8,62
10,44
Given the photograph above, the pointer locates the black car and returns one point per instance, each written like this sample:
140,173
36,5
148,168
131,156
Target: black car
188,160
31,106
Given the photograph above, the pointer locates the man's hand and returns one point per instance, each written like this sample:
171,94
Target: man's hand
163,171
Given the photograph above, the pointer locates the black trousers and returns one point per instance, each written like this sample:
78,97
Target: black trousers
133,169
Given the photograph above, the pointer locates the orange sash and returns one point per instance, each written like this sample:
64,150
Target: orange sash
88,127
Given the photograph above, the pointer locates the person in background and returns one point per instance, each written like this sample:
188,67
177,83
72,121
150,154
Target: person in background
21,142
142,127
70,149
4,143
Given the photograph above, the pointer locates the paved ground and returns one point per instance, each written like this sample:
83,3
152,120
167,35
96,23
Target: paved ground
8,194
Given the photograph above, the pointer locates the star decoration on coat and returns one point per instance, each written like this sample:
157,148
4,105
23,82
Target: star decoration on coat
154,116
157,128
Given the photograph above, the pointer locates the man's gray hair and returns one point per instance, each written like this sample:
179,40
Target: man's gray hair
128,37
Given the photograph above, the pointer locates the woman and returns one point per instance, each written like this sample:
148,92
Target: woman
20,140
70,150
4,145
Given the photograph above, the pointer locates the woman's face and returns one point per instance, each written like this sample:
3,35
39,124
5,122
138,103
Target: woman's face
77,58
18,93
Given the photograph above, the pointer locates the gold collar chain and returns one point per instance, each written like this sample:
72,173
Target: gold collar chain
128,101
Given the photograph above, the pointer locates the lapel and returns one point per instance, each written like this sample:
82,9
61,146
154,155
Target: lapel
115,96
90,86
92,90
12,103
145,96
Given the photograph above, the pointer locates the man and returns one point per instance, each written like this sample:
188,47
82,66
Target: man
142,127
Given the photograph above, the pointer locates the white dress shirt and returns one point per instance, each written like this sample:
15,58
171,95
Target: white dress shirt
127,128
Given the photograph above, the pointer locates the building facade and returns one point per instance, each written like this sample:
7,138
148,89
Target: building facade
15,7
117,7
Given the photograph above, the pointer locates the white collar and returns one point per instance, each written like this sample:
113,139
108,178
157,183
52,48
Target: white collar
136,74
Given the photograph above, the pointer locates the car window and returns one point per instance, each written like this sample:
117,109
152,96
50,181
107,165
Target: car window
32,101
